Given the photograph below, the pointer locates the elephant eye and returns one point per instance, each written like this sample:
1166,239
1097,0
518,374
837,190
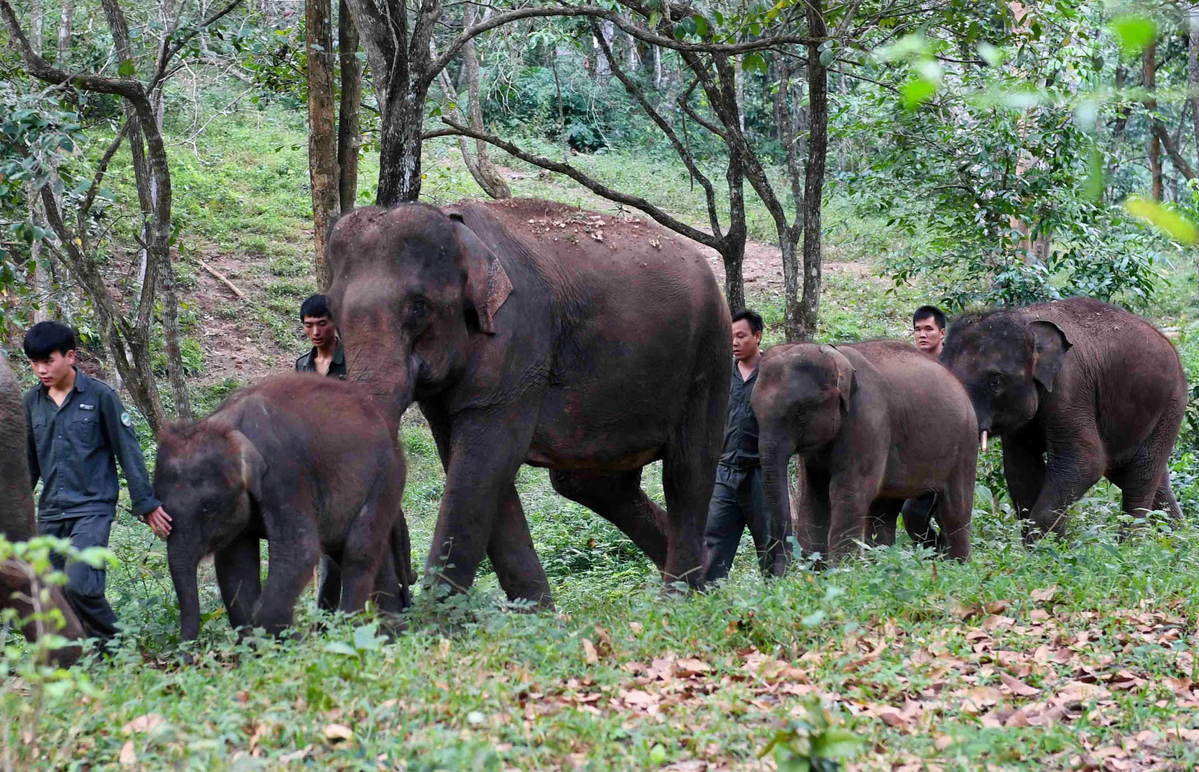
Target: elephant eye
418,308
995,382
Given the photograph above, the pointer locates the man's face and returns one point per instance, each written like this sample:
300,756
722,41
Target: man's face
320,330
55,370
745,341
929,337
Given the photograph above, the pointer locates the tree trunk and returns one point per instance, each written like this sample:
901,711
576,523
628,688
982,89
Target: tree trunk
349,131
170,334
1149,80
399,154
322,145
488,176
809,311
477,163
64,31
786,115
732,254
1193,69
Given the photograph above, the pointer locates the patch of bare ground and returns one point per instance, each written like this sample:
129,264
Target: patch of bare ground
763,268
234,342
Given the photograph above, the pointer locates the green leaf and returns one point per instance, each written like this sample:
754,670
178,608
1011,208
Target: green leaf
754,61
813,619
1134,32
1095,182
126,69
990,54
916,92
341,647
1173,224
835,744
365,638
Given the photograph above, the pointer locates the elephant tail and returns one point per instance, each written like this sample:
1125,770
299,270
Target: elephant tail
401,550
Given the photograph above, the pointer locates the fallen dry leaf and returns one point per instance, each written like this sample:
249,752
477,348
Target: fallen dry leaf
590,655
142,723
1017,687
336,733
128,755
1044,595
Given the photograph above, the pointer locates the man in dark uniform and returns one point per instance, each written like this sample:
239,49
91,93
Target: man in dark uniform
737,499
326,356
78,429
928,329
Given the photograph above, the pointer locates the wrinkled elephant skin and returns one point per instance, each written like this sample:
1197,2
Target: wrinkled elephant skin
306,463
530,332
1078,390
873,424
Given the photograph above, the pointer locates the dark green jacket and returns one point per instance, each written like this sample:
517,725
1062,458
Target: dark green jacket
337,368
74,449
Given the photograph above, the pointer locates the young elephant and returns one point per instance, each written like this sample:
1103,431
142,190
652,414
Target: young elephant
1078,390
305,463
874,423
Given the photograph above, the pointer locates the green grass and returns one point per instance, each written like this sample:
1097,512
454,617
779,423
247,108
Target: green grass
910,654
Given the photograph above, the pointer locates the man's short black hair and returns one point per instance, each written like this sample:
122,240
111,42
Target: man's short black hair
44,338
316,306
923,312
753,317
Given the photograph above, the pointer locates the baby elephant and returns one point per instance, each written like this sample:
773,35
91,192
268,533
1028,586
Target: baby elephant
874,423
307,464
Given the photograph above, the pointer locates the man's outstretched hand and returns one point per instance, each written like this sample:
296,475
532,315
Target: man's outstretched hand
159,522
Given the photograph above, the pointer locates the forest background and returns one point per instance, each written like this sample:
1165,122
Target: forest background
168,171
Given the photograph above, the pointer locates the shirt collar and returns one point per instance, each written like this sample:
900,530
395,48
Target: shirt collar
339,355
737,371
82,383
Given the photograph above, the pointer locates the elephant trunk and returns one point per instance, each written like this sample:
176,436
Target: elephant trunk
183,565
390,387
774,458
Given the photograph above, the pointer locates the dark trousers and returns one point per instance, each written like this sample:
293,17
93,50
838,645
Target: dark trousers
737,501
85,585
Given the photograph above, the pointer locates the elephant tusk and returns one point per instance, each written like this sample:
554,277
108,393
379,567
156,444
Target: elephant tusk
984,441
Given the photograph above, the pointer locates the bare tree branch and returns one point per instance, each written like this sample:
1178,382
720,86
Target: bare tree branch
591,184
1180,163
101,167
683,152
634,30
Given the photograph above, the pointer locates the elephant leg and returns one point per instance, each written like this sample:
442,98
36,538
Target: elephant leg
237,574
510,545
367,540
1024,470
849,499
1164,500
814,514
1071,472
513,556
954,509
618,498
918,520
486,450
329,594
290,565
883,514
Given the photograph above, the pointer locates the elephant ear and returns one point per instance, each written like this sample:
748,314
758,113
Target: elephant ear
845,371
253,466
1050,345
487,283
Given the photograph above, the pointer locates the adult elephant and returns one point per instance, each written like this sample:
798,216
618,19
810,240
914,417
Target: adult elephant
17,524
1077,389
531,332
